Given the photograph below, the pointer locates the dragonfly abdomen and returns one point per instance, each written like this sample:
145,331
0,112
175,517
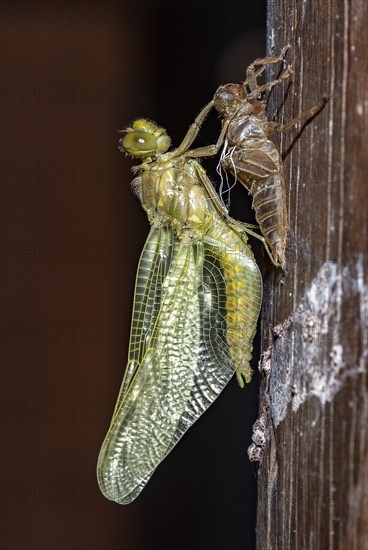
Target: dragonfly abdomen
243,298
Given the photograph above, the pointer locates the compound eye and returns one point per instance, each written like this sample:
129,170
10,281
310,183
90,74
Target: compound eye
139,142
226,97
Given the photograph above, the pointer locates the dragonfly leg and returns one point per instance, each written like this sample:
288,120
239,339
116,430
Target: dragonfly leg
264,242
251,225
194,129
253,74
210,150
268,85
207,184
309,113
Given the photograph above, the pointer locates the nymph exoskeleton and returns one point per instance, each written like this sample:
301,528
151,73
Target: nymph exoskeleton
251,153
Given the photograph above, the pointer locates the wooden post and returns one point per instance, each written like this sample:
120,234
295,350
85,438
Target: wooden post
313,478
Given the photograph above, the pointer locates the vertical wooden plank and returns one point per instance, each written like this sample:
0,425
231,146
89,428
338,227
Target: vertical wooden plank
313,479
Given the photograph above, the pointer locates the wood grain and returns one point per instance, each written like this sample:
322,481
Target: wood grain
313,479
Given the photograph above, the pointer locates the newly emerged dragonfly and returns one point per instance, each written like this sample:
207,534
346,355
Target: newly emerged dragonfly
196,304
251,154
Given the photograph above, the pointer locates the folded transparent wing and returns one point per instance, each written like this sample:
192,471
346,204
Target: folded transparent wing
153,266
179,359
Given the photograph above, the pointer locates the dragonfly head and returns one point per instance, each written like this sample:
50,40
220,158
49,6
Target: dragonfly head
145,138
229,98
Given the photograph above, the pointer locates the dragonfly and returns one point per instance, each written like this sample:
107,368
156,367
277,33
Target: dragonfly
196,303
251,154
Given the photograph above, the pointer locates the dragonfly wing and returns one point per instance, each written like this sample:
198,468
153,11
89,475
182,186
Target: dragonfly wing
214,366
184,364
153,266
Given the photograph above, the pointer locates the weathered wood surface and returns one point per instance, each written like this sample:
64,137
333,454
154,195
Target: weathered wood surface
313,480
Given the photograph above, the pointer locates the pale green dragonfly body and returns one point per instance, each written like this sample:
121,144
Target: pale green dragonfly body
196,304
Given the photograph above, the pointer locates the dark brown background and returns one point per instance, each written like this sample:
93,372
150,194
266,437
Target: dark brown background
73,73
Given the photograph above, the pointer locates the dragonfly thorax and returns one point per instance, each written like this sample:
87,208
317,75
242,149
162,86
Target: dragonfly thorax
172,193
